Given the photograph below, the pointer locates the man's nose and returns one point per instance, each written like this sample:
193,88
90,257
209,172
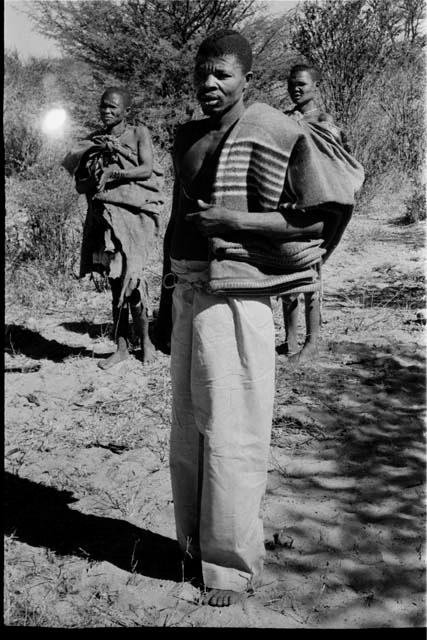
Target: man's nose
209,81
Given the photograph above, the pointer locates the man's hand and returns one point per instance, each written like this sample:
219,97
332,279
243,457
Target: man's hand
290,206
160,331
212,220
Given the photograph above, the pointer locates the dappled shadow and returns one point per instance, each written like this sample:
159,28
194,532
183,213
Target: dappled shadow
41,516
365,493
408,232
410,294
21,340
410,235
94,331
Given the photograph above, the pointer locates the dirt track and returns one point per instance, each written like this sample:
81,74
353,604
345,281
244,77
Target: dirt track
91,538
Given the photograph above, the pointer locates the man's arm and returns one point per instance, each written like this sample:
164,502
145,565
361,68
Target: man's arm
286,225
327,221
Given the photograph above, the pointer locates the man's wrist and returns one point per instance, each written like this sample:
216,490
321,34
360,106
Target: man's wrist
235,220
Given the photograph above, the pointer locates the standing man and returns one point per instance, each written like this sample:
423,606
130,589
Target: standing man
222,346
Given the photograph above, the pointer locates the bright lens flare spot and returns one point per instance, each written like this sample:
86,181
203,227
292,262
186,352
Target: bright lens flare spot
53,121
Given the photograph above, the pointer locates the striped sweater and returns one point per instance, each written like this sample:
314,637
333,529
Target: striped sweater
267,159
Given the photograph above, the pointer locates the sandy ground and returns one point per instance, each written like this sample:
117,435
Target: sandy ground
90,531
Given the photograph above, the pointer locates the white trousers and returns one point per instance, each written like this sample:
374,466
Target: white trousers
222,371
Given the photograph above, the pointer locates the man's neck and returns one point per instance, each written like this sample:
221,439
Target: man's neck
225,120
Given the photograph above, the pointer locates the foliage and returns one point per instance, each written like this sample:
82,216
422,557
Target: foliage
148,45
43,219
31,88
390,128
22,110
269,36
351,43
370,54
416,204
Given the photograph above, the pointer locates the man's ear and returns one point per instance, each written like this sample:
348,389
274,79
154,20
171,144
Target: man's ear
248,78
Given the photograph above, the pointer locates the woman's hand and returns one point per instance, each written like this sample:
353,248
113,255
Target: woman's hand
130,282
106,176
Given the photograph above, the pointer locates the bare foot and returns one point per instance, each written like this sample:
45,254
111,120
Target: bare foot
292,350
222,597
309,351
116,358
148,352
291,347
288,348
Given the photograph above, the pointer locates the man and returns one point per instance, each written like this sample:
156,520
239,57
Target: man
114,167
222,346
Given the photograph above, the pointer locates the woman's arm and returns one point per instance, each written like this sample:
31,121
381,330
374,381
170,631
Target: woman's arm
140,172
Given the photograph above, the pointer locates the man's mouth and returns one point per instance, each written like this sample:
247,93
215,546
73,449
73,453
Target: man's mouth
208,99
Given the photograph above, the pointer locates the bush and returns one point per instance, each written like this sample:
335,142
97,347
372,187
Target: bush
389,129
416,204
43,219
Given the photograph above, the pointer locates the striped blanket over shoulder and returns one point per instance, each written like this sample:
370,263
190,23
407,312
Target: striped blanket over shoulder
267,159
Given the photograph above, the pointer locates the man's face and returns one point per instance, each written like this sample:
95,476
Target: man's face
220,83
112,109
302,88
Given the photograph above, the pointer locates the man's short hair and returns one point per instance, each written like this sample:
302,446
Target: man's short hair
227,42
297,68
121,91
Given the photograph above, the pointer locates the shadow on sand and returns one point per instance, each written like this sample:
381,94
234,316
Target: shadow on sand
93,330
41,516
368,403
21,340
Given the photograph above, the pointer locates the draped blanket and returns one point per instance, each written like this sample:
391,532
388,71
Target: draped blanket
124,218
268,159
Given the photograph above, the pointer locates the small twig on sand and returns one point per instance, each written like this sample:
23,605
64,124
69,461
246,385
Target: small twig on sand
97,403
273,600
316,604
12,451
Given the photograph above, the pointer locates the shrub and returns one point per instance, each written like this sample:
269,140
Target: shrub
43,219
416,204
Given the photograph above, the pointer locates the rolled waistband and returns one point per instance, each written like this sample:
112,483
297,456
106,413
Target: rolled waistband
191,271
